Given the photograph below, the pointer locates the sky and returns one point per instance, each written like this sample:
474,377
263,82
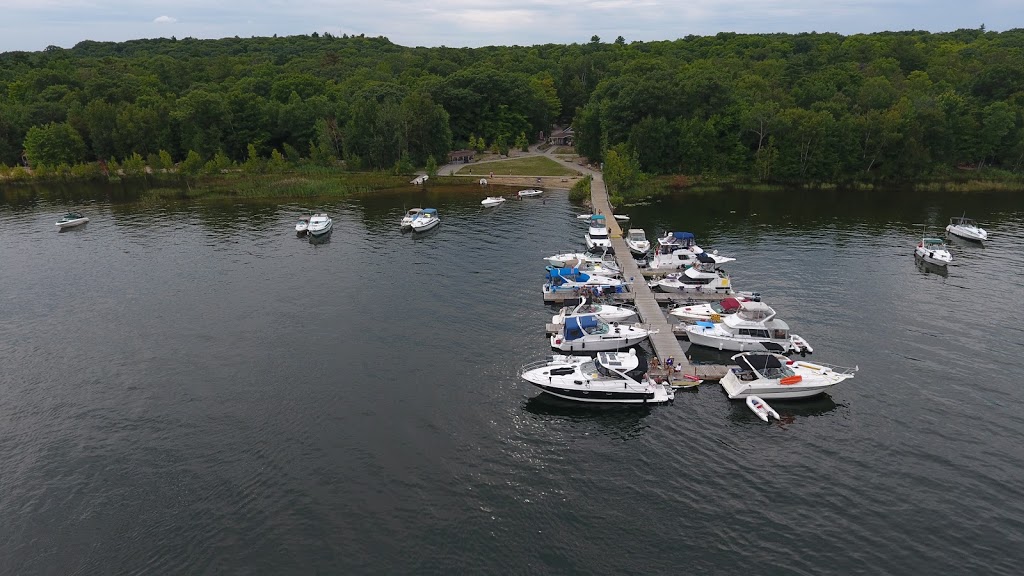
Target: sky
36,24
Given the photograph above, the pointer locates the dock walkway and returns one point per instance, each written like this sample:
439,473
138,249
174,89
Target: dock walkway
664,341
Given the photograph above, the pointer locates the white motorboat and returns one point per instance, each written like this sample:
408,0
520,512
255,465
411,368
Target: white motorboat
967,229
605,312
705,279
492,201
411,215
569,279
70,220
302,226
571,259
707,311
775,376
636,241
933,251
753,328
602,268
427,219
589,333
611,377
597,234
761,408
319,225
584,216
621,217
680,249
532,193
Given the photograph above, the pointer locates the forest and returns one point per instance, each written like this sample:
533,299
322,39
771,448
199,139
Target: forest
815,107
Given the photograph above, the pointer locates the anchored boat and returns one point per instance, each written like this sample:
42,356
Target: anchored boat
70,220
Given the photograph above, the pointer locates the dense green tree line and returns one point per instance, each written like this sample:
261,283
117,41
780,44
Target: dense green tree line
777,106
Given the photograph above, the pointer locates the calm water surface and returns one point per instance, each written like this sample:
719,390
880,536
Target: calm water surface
188,388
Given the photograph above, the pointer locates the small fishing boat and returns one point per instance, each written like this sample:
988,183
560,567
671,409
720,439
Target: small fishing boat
492,201
933,251
70,220
761,408
320,225
411,215
302,226
611,377
636,241
532,193
483,181
427,219
605,312
775,376
967,229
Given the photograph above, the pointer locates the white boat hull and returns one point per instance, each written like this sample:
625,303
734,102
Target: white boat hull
320,231
72,223
418,226
935,257
710,339
607,313
491,202
968,232
530,193
627,337
597,242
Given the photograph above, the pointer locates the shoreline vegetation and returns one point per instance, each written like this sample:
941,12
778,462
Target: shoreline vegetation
887,110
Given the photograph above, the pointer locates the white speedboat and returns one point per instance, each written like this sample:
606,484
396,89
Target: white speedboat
591,334
621,217
569,279
302,226
597,233
636,241
411,215
319,225
70,220
761,408
571,259
933,251
605,312
611,377
680,249
598,268
704,279
492,201
532,193
753,328
967,229
427,219
707,311
775,376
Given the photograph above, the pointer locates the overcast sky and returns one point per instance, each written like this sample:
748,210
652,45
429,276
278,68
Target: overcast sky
36,24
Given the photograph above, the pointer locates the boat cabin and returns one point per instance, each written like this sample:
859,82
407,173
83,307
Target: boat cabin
677,240
637,235
961,221
608,363
933,243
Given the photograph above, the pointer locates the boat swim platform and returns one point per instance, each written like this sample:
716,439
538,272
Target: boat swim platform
666,345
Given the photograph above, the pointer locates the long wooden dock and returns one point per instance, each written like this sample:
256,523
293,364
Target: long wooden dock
661,297
664,341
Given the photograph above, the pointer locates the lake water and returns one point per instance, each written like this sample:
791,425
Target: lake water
189,388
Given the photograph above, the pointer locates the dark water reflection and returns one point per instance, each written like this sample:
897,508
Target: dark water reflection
191,388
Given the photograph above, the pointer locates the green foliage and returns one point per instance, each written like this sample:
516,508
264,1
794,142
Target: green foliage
292,153
192,164
134,165
431,167
166,162
403,166
580,191
622,172
54,143
253,163
277,163
522,143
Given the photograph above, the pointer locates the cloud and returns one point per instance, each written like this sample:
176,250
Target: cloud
165,20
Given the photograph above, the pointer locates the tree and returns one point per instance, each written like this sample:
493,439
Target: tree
431,167
134,165
192,164
54,143
522,143
277,162
622,171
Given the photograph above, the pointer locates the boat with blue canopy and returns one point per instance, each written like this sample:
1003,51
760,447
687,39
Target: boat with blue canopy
588,333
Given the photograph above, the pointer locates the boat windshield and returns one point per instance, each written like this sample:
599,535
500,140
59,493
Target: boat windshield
717,308
600,328
598,236
637,236
933,243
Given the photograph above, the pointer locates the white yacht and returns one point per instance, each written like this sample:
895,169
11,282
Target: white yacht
320,225
680,249
636,241
612,377
569,279
492,201
597,234
704,278
707,311
775,376
571,259
753,328
967,229
427,219
532,193
605,312
411,215
591,334
70,220
933,251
